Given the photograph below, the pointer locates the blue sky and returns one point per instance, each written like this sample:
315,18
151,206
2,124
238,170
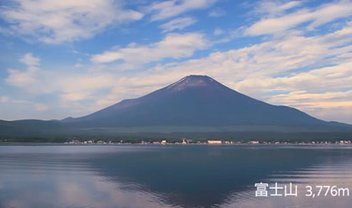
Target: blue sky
70,58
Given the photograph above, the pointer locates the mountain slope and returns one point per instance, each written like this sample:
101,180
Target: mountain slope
195,107
196,101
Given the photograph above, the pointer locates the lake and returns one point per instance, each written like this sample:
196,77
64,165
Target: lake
152,176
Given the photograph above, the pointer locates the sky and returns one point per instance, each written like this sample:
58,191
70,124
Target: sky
61,58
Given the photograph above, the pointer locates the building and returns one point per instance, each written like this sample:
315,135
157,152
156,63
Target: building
214,142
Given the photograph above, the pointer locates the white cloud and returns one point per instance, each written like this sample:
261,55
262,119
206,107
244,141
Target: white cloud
267,71
172,46
65,83
24,78
71,85
41,107
171,8
217,13
56,22
4,99
20,78
311,73
218,31
252,70
178,24
329,105
30,60
275,8
313,17
74,96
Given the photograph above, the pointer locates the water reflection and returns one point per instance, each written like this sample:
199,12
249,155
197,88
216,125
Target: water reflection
338,173
166,176
59,177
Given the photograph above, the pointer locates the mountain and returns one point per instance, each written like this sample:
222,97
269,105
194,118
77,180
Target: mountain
196,101
196,106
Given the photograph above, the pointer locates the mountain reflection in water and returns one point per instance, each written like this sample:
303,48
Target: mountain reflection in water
168,176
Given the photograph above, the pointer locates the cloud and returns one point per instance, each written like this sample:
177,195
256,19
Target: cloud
27,77
217,13
218,31
309,71
275,8
178,24
313,17
72,92
258,70
295,66
327,99
55,22
171,8
30,60
4,99
12,108
328,105
273,70
65,83
71,85
20,78
173,46
41,107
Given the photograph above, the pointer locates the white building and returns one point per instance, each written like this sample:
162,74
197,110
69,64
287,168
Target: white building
214,142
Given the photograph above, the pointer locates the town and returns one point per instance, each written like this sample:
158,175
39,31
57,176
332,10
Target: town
184,141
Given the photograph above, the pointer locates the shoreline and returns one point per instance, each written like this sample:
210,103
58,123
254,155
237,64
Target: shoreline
340,143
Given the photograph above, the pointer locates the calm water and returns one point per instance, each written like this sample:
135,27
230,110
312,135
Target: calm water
151,176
